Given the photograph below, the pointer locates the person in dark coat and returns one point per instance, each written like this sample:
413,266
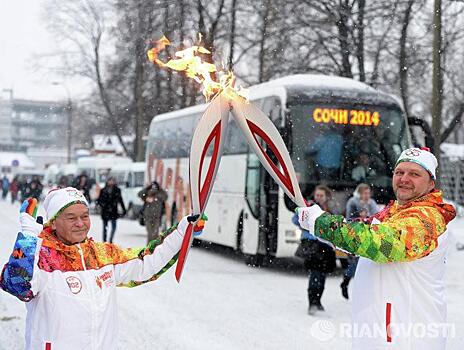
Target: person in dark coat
35,187
32,189
5,186
321,256
83,184
109,199
154,198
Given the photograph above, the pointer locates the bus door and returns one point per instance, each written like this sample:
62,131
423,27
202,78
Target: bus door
249,236
259,231
260,220
272,106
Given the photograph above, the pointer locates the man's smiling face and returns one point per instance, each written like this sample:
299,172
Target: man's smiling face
73,224
411,181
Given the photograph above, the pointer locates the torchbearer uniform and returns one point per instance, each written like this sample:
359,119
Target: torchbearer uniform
70,290
399,289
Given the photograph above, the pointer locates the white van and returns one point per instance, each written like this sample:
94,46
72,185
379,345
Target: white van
130,179
97,169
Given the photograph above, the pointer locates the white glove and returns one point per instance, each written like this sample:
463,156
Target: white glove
29,225
187,220
307,216
28,222
182,226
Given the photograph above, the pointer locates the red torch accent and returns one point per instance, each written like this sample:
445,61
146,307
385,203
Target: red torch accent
215,134
388,321
285,177
204,191
183,251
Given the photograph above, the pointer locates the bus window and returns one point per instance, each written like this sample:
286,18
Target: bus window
172,138
343,145
139,177
235,140
119,177
252,192
272,107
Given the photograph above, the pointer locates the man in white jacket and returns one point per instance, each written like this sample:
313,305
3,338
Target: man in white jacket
69,281
399,287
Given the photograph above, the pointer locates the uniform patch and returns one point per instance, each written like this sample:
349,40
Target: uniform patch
74,284
105,278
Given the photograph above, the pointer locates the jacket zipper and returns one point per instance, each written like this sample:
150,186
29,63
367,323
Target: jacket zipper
82,257
92,300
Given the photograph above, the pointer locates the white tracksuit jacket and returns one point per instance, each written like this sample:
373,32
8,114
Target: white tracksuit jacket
399,288
71,290
415,308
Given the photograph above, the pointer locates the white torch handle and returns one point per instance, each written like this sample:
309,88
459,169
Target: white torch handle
211,129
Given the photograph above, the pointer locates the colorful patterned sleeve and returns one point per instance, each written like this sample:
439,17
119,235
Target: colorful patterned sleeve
18,276
134,267
410,236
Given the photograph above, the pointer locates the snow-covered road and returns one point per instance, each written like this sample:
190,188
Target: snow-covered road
222,303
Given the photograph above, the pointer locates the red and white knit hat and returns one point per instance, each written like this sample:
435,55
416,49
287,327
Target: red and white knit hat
59,199
421,156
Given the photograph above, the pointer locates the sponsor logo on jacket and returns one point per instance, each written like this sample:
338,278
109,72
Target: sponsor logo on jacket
105,278
74,284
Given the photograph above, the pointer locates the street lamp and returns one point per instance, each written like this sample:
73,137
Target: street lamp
69,119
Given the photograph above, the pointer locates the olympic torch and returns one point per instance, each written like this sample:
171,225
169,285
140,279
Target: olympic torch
212,129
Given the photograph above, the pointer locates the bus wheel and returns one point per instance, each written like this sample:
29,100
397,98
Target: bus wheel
254,260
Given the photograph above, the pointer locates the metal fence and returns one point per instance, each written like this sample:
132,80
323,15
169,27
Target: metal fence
452,179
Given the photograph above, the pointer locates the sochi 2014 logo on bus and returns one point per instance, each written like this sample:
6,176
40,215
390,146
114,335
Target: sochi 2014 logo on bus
413,152
74,284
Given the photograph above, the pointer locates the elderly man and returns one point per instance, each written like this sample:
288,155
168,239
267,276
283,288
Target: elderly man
68,280
399,290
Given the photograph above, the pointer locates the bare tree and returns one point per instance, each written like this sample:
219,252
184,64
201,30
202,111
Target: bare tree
81,25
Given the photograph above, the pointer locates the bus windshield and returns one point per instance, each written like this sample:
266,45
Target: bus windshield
343,145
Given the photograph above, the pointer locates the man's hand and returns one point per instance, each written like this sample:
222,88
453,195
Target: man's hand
199,224
27,217
307,216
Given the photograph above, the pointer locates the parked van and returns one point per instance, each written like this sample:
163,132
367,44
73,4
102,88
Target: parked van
130,178
97,169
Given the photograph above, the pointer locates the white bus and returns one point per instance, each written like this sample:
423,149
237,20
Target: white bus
130,178
328,123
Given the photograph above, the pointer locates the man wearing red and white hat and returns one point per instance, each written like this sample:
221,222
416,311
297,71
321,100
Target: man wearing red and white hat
399,289
69,281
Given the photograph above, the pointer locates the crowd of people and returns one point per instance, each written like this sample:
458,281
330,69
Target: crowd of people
21,187
108,203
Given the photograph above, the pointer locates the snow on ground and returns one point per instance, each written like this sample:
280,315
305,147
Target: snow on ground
222,303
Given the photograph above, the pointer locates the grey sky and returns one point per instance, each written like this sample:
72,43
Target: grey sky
24,37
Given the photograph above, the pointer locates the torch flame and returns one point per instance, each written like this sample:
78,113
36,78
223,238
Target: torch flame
190,61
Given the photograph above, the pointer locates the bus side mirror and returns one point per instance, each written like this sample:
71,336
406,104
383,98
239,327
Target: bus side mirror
427,132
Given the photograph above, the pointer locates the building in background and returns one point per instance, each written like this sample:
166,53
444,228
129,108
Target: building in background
109,144
36,128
